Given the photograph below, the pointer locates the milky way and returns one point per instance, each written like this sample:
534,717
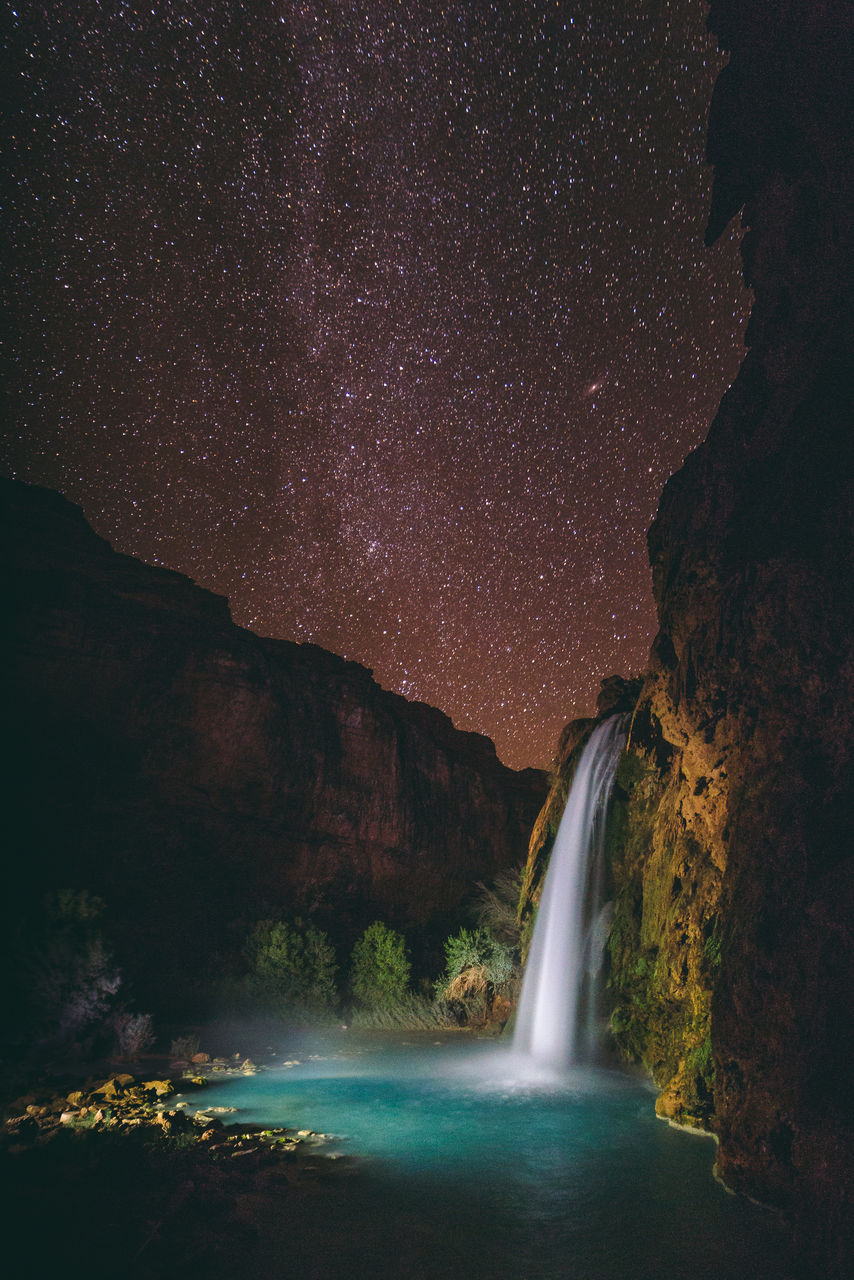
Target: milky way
387,321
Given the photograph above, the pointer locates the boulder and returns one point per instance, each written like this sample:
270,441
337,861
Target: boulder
161,1088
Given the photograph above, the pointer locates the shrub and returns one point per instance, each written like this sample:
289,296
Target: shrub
712,948
379,967
477,969
134,1033
291,967
184,1047
699,1063
67,978
410,1012
498,906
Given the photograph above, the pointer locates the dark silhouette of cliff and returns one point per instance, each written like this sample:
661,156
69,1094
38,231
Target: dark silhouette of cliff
198,777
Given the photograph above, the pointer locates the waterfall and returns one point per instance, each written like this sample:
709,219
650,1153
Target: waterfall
556,1023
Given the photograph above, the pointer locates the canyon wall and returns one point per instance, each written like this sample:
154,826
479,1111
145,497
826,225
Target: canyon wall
732,827
198,777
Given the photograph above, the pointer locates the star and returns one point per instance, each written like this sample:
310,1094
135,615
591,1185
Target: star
387,323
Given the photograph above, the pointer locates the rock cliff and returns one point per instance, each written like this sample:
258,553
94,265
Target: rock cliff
732,831
198,777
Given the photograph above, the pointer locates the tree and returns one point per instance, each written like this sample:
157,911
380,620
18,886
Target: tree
68,979
379,967
292,966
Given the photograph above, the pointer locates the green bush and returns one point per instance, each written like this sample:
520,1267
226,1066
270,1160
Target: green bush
712,948
700,1063
478,967
291,967
379,968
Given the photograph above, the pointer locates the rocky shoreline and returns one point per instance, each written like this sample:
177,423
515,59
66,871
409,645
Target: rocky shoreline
133,1175
126,1101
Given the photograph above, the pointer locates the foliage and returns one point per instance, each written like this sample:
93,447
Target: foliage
183,1048
291,967
498,906
410,1012
478,967
379,967
699,1063
476,949
712,948
134,1033
68,978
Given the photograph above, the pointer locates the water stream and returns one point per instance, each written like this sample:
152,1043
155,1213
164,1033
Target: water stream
557,1020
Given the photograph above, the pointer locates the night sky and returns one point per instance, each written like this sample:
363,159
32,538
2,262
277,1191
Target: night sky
388,321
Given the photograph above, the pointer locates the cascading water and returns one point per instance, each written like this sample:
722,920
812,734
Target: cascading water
557,1015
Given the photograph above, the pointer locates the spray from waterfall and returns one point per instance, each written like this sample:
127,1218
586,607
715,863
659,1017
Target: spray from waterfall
556,1023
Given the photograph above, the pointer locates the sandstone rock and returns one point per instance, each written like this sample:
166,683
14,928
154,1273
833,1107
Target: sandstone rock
199,1058
735,909
115,1087
173,1122
19,1105
667,1104
212,1129
161,1088
617,694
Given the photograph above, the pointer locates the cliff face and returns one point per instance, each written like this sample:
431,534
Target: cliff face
198,777
752,685
732,831
743,738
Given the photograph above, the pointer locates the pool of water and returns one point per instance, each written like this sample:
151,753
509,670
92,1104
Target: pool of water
467,1166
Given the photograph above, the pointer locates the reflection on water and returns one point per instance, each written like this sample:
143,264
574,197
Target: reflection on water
470,1169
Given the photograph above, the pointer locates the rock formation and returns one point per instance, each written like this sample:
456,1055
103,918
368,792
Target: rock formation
733,826
198,777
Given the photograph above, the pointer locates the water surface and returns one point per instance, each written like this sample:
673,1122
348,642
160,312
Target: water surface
467,1169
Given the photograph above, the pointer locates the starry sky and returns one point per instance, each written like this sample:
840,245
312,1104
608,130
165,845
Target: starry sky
389,321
